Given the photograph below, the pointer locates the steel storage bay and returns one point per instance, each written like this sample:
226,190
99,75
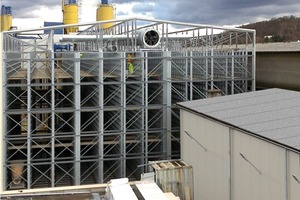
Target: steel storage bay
86,108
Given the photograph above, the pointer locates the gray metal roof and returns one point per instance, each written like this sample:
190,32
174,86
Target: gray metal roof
272,113
278,47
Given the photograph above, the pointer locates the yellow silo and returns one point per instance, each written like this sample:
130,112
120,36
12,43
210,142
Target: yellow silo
6,18
5,22
105,12
3,19
70,15
9,22
3,11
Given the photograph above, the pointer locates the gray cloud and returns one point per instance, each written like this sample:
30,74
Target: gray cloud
221,12
143,8
216,12
24,8
122,14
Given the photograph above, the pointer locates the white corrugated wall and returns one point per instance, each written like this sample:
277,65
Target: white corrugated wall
210,167
293,171
262,177
266,172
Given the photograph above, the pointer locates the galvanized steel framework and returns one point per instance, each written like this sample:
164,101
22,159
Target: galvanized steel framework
76,116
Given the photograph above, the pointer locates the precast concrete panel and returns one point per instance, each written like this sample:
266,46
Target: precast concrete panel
258,169
278,70
205,146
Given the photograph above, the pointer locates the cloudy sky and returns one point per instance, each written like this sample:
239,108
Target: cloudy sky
213,12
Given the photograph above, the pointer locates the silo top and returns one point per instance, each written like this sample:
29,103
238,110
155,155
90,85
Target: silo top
104,1
6,10
72,2
3,10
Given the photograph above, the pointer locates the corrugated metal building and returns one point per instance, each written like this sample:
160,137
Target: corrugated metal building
244,146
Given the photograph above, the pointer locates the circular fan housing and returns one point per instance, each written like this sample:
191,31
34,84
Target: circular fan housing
149,38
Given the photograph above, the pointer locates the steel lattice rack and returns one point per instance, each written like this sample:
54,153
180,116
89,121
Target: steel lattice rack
74,114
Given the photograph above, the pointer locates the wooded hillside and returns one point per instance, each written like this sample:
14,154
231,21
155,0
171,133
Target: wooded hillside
283,29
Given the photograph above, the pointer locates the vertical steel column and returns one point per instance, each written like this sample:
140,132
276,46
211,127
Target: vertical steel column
191,74
232,64
246,63
144,103
77,118
3,91
206,62
226,73
145,58
212,61
167,102
186,54
254,62
162,46
236,40
52,70
101,119
135,33
127,31
29,172
123,116
211,69
232,72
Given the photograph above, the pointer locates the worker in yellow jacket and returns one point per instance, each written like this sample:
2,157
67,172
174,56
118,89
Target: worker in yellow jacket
130,64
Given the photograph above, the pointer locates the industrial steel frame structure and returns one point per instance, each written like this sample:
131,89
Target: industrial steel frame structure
75,115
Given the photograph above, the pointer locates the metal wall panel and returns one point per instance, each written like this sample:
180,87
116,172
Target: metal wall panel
230,164
293,175
258,168
205,145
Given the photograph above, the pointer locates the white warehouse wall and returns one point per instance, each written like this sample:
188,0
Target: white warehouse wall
210,168
293,169
265,182
222,173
